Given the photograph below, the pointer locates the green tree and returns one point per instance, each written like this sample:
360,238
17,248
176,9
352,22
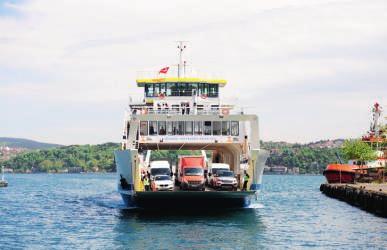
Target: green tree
358,150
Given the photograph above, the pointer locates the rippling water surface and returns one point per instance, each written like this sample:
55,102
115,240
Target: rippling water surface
84,211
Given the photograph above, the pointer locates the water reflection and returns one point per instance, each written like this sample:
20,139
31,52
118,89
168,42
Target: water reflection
166,229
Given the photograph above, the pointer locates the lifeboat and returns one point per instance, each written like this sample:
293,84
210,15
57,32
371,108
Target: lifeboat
340,173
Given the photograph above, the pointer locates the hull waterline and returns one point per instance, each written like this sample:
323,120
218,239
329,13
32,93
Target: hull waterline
208,200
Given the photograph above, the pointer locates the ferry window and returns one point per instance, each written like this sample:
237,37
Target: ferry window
174,89
169,89
188,128
207,127
198,129
157,89
149,90
175,128
185,89
182,89
234,128
189,89
213,90
162,88
181,128
143,128
203,88
169,128
152,128
162,126
194,89
216,128
226,128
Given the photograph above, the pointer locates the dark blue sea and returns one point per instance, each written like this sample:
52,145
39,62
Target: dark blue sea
83,211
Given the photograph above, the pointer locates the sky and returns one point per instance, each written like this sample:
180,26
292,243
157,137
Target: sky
310,69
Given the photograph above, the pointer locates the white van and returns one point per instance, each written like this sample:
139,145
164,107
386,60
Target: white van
215,167
159,168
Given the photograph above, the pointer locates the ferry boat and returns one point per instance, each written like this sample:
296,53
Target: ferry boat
183,110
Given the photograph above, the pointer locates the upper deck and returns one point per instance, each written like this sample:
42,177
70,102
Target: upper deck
183,107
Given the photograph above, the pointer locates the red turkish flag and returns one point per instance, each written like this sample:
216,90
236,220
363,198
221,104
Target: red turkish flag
164,70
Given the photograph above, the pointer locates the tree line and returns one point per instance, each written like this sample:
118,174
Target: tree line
85,158
97,158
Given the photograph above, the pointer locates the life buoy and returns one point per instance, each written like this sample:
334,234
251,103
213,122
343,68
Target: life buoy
225,111
203,96
161,95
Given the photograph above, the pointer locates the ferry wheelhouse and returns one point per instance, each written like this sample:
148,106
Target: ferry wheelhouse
182,110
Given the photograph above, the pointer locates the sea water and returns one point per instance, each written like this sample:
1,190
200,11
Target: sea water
78,211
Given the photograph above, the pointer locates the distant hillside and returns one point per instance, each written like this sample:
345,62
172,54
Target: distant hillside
75,158
311,158
25,143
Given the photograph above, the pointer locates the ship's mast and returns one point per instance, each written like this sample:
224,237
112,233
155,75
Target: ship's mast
181,66
376,112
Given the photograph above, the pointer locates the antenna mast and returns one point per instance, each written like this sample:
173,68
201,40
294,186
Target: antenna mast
181,46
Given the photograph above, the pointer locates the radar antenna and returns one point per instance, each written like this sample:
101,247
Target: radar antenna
181,66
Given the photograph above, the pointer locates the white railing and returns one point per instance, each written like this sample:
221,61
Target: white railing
165,110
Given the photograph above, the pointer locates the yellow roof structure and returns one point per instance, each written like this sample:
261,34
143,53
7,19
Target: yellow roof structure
143,81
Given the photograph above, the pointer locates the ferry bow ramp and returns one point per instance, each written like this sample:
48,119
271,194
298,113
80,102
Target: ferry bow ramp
184,112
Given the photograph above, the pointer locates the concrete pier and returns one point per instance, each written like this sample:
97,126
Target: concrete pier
370,197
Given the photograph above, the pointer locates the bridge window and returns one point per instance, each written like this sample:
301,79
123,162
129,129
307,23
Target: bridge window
226,128
156,90
213,90
181,89
198,129
194,89
234,128
149,90
163,88
153,128
173,87
203,88
162,128
188,128
143,128
216,128
207,128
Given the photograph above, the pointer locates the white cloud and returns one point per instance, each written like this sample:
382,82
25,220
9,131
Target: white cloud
88,52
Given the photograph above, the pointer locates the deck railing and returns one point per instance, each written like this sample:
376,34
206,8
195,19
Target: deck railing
181,110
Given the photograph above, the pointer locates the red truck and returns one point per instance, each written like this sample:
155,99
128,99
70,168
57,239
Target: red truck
191,172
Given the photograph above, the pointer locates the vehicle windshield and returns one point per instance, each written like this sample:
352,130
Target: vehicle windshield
216,170
225,173
193,171
160,171
162,178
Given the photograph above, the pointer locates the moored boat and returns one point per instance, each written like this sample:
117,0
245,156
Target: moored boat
3,182
340,173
